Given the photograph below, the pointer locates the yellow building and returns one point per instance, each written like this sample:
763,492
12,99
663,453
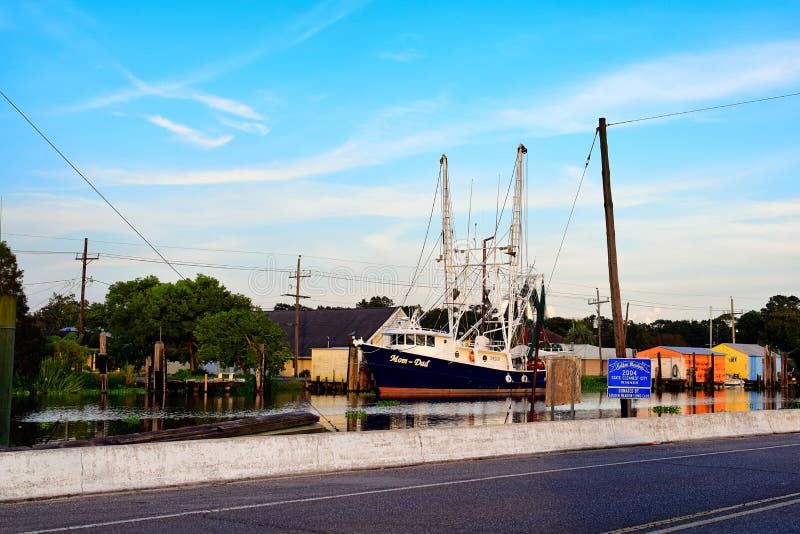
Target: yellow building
738,357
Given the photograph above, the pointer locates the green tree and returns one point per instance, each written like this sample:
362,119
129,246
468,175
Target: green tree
132,335
232,338
28,340
285,306
60,312
781,318
375,302
749,327
580,333
67,349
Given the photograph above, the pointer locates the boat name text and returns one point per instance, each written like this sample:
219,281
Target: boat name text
394,358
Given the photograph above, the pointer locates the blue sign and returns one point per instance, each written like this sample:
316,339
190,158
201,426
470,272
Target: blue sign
628,378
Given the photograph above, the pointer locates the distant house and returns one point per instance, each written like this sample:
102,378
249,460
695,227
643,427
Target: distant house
701,356
745,360
590,357
325,336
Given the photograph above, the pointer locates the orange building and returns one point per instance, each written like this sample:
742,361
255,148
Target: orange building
702,360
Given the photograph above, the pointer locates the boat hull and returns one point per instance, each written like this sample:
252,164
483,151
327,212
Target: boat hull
402,374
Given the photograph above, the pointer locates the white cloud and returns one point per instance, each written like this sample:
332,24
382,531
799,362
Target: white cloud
190,135
228,106
248,127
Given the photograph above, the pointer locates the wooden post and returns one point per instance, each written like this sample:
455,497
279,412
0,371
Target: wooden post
784,372
102,363
8,326
713,376
659,383
147,365
352,368
159,368
611,242
262,369
694,372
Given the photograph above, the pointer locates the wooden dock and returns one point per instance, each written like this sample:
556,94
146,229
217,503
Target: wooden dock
274,423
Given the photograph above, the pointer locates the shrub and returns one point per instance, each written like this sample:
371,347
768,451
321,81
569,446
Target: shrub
56,378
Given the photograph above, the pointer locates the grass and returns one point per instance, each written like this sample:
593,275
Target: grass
367,394
355,414
667,409
387,403
593,384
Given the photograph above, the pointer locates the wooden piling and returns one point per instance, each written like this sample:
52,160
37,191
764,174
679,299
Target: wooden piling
660,379
8,325
102,363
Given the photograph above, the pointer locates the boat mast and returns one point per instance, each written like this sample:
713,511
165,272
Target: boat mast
447,250
514,248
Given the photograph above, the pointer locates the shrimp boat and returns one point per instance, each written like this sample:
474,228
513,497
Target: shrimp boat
489,357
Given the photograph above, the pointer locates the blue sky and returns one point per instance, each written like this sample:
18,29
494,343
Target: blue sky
246,133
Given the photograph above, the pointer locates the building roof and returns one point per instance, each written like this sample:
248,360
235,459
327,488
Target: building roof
331,328
700,351
751,349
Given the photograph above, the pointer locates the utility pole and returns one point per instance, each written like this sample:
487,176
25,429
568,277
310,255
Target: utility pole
710,332
84,259
599,331
613,273
297,296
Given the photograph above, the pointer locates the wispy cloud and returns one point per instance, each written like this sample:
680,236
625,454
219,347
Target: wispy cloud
190,135
401,56
223,104
248,127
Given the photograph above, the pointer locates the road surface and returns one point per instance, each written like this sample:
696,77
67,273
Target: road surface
734,485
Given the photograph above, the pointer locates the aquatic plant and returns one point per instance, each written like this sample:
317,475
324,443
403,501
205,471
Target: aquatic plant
387,403
132,420
56,378
355,414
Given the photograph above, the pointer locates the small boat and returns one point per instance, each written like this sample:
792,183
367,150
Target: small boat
488,358
734,382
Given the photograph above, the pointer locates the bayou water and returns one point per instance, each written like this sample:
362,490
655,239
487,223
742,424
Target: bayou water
49,419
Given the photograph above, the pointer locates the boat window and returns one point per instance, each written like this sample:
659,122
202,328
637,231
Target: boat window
395,340
456,355
484,357
420,339
429,341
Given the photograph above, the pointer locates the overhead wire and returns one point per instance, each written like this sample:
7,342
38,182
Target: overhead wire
572,210
427,231
709,108
85,179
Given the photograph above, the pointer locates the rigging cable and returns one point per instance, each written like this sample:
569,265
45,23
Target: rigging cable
425,242
571,211
85,179
674,114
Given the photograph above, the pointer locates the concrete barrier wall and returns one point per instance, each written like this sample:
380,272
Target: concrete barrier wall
60,472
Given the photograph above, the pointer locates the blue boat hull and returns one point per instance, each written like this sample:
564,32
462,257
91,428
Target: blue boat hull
401,374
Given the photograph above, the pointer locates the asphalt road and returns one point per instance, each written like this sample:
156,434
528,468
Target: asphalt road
734,485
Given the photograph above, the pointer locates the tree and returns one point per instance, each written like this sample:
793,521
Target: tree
60,312
232,338
580,333
28,341
375,302
284,306
68,350
749,327
781,318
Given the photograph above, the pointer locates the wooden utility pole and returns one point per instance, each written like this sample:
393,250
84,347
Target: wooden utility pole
611,241
84,259
297,296
599,330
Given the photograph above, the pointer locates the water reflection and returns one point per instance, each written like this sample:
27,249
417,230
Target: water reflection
65,418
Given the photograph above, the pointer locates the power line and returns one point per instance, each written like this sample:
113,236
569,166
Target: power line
676,113
572,210
85,179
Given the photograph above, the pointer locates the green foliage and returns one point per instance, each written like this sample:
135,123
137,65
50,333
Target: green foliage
186,374
232,338
68,350
305,373
132,420
667,409
375,302
28,339
60,312
355,414
382,403
141,310
283,306
580,333
781,318
749,327
56,378
593,384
